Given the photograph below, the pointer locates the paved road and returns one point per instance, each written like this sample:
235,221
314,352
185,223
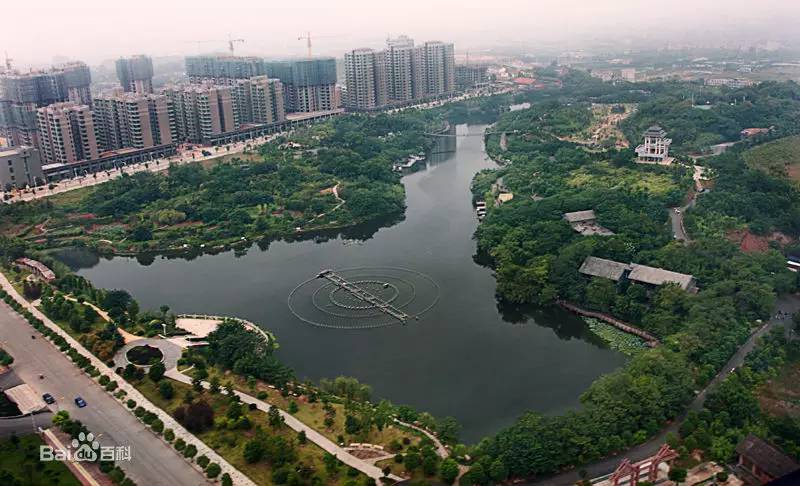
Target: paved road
153,461
25,425
787,303
676,220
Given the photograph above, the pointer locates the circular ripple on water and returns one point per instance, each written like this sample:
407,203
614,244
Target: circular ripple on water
320,302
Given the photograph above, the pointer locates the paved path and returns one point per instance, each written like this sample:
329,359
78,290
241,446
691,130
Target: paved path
317,438
787,303
171,351
155,462
441,450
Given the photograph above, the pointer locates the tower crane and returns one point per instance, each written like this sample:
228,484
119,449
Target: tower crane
232,41
307,38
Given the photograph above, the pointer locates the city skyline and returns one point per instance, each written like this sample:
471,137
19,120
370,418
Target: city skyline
338,28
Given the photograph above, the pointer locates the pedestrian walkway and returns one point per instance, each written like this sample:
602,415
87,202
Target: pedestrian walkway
132,393
311,434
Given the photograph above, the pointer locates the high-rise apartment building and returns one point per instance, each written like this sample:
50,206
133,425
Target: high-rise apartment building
20,167
223,69
259,100
470,76
308,84
440,67
67,133
404,70
201,111
21,94
365,73
135,74
129,120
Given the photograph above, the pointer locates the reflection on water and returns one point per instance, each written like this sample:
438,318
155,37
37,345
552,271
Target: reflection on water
470,357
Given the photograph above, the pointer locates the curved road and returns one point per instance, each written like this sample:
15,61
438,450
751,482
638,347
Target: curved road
152,460
786,303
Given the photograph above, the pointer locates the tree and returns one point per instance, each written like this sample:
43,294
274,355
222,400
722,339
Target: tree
275,418
448,470
166,390
293,408
253,451
498,471
213,470
156,371
677,474
412,460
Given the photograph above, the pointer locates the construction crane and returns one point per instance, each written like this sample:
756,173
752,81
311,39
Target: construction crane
232,41
307,38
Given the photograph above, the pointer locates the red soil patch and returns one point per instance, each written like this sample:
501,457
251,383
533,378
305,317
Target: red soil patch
750,243
82,216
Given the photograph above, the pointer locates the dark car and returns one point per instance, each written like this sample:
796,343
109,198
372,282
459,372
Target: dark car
48,399
80,402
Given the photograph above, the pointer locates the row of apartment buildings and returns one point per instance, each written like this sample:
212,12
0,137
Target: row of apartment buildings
69,132
399,74
308,85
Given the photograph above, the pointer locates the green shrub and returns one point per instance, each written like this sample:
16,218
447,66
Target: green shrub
180,445
213,471
190,451
169,435
131,404
202,461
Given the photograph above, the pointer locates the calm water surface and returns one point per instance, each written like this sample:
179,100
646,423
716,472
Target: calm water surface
468,357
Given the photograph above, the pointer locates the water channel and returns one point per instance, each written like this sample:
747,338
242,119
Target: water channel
468,356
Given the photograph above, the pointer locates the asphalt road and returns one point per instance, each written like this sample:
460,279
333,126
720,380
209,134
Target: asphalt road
152,460
786,303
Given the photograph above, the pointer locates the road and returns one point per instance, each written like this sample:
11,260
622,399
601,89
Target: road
676,220
787,303
152,460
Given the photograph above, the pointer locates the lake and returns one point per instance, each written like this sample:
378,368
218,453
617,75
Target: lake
468,356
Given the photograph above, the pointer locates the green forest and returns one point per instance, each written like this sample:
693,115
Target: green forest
536,256
276,190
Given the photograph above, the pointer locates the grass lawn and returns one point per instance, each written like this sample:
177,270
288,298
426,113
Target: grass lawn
780,396
230,443
21,463
604,175
313,415
780,157
226,157
71,198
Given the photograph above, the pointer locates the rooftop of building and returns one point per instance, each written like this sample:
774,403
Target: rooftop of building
6,151
766,456
600,267
655,131
578,216
659,276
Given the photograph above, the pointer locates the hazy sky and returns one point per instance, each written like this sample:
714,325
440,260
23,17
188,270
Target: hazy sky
37,31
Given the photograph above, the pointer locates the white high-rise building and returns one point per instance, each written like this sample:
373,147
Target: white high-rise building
440,68
365,75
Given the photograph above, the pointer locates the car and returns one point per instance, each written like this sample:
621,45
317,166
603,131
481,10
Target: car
48,399
80,402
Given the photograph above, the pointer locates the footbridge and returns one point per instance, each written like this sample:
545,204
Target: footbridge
364,295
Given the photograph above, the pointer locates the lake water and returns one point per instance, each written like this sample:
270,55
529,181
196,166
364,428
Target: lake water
468,357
